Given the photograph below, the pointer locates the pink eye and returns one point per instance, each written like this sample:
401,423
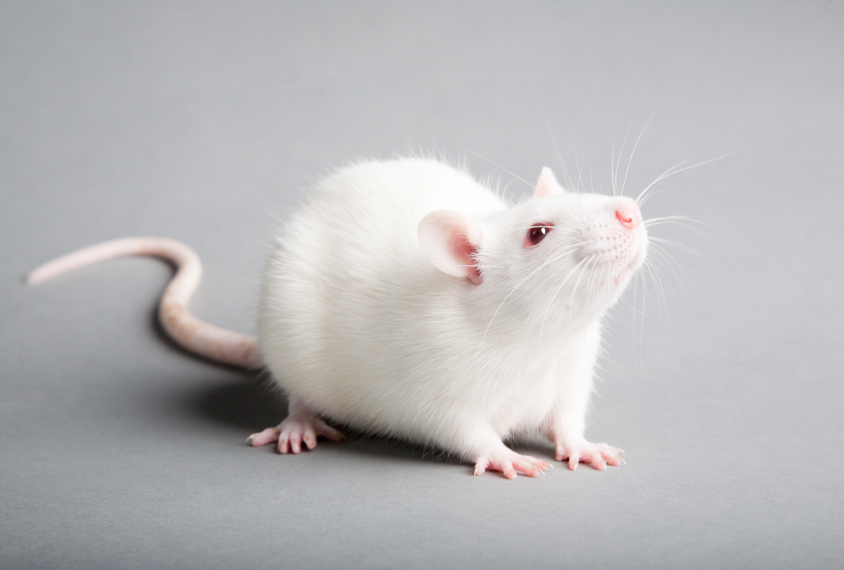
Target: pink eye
537,233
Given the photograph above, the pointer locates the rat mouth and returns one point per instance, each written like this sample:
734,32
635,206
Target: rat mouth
621,277
629,269
632,266
614,276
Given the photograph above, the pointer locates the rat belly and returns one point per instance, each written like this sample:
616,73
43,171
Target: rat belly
374,381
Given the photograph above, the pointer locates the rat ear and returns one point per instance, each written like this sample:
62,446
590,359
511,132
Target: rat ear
547,184
450,240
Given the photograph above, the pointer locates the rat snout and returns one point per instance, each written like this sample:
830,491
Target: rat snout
628,214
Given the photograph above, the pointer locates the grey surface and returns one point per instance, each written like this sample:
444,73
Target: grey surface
206,122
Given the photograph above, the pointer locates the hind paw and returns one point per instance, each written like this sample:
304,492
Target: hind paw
301,427
293,432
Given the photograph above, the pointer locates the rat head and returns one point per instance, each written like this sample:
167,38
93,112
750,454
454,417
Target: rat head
556,259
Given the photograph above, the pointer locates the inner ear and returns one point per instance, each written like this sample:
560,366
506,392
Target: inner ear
450,241
547,184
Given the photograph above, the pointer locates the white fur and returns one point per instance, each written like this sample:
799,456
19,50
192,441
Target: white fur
358,323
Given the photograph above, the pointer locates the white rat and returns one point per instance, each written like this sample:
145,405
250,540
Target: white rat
406,299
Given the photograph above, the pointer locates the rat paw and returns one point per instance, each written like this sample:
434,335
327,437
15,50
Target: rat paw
293,432
509,462
598,454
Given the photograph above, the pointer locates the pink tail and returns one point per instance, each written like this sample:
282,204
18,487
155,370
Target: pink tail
197,336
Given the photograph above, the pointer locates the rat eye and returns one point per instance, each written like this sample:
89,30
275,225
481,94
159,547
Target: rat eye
537,233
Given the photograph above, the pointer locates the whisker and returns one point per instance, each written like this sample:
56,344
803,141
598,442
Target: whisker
683,218
697,226
554,296
633,302
632,152
620,153
563,168
665,174
513,174
577,164
673,244
671,171
577,283
683,221
673,266
519,284
574,291
650,195
612,169
662,301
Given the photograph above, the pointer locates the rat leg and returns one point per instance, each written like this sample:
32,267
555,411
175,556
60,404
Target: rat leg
565,429
300,425
566,423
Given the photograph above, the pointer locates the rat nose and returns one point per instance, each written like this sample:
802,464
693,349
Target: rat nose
628,215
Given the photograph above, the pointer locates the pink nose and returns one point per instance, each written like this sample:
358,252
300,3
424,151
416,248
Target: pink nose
628,215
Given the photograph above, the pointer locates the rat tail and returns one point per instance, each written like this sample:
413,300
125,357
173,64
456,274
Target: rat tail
197,336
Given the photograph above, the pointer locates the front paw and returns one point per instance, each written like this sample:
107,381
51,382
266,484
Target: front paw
598,454
509,462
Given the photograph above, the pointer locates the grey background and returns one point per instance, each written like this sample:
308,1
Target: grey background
206,122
